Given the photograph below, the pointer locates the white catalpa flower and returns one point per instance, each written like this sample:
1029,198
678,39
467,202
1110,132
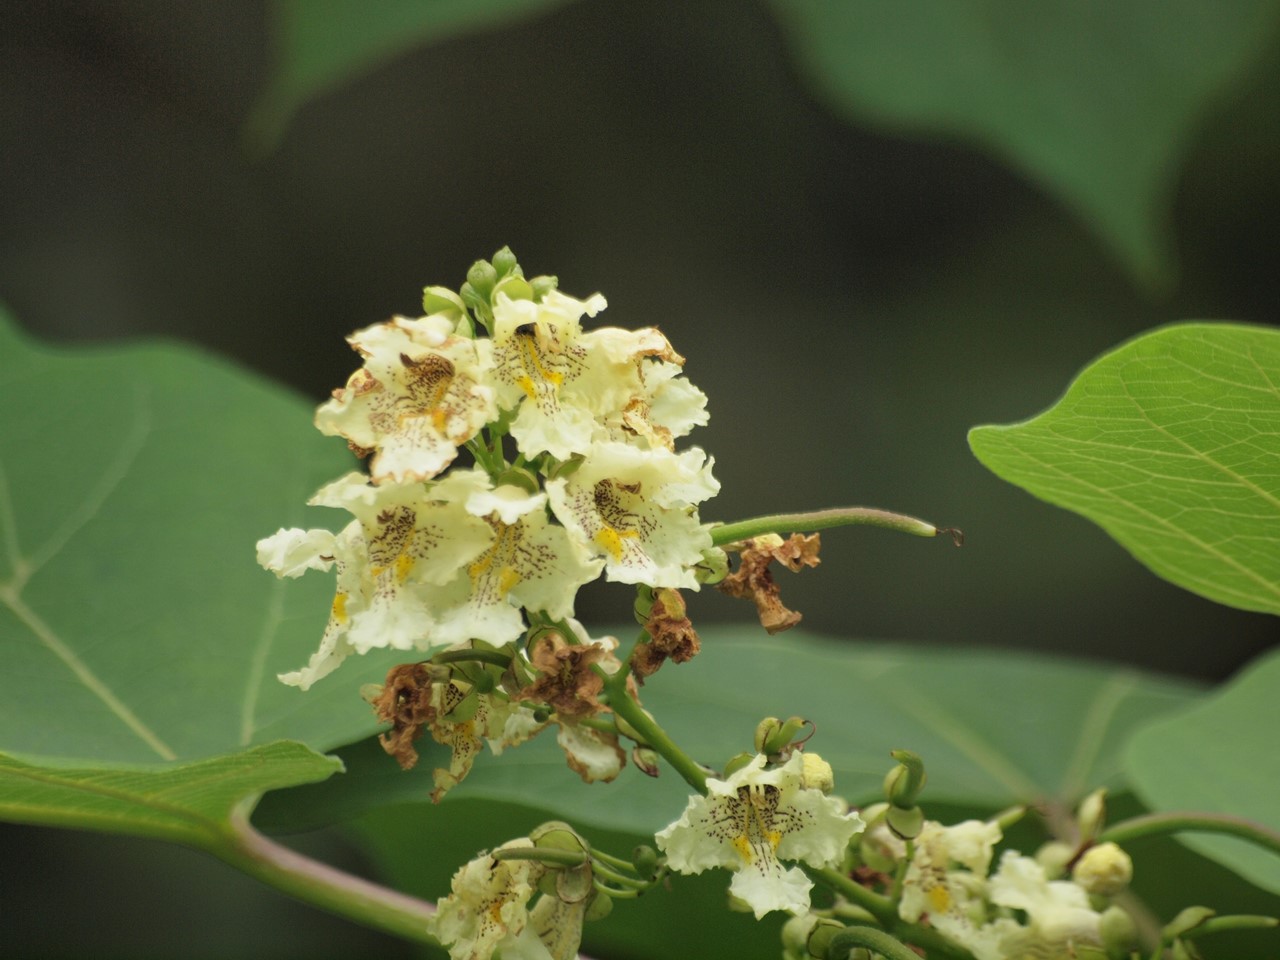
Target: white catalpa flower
947,881
634,509
1059,917
753,820
537,358
397,546
420,394
529,563
488,909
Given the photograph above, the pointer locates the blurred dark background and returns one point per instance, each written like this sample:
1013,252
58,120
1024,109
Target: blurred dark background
852,300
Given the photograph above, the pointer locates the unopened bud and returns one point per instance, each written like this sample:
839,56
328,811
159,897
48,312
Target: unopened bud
482,277
774,735
646,760
1104,870
504,262
736,763
645,859
1186,921
1119,933
820,937
558,835
1053,858
817,774
795,935
442,300
541,286
1092,815
904,783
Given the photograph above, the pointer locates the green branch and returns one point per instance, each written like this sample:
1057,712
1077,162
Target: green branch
1154,824
321,885
840,945
781,523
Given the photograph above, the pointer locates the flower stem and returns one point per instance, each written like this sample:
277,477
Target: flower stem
321,885
620,703
495,657
1154,824
877,941
878,906
781,523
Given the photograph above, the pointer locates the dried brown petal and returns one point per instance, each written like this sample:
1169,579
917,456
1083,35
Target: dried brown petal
753,580
671,635
405,703
567,682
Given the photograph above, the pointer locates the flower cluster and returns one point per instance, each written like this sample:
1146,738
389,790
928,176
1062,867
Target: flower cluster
574,471
1027,907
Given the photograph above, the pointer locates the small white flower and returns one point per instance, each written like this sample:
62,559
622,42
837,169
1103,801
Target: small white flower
753,820
954,899
634,509
399,544
420,394
488,909
1059,917
529,564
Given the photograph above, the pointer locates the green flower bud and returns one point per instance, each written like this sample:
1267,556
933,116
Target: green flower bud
817,773
600,907
541,286
1119,933
795,936
1186,921
645,859
905,822
558,835
1104,870
482,277
1092,814
774,735
713,567
504,262
820,937
1054,857
646,760
442,300
736,763
513,287
904,783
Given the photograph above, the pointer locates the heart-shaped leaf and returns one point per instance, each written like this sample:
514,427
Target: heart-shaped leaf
1097,102
135,625
1170,443
1220,756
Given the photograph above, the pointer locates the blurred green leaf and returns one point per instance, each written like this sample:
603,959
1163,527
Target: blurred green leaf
189,803
1219,756
1097,102
1170,443
135,625
994,728
321,44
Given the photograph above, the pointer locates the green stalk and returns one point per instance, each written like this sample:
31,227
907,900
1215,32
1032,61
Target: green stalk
321,885
782,523
1154,824
878,941
622,705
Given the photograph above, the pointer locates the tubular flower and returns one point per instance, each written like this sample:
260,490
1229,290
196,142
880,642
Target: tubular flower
753,820
487,910
420,394
1059,917
947,880
635,510
529,564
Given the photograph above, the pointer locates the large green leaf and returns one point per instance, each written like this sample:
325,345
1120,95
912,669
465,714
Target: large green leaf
185,803
135,625
994,728
1220,756
1170,443
323,43
1095,101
